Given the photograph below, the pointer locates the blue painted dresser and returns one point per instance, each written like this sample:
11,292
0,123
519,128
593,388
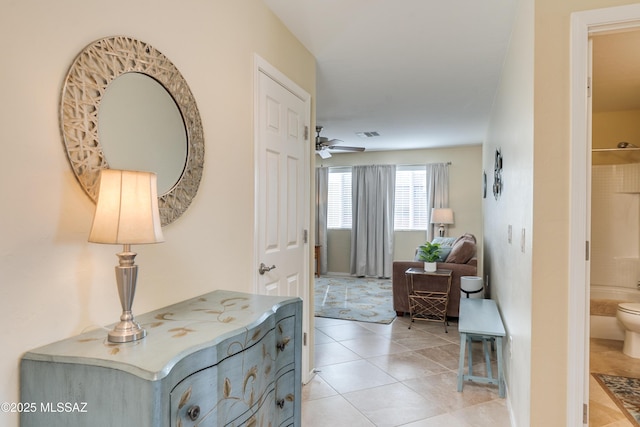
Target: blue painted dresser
221,359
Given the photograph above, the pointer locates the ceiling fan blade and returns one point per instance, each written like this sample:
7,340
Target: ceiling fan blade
323,143
345,148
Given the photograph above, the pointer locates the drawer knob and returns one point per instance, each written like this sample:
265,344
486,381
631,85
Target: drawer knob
282,344
193,412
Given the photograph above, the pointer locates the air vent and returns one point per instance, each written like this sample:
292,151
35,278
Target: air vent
367,134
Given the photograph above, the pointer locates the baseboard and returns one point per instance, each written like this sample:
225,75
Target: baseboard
334,273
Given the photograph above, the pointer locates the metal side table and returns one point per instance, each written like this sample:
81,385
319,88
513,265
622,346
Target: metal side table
428,295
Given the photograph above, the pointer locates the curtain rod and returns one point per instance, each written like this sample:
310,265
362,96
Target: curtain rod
413,164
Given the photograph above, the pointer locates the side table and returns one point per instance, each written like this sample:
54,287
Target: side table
428,299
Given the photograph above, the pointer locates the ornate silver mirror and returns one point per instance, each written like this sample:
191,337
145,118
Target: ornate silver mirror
126,106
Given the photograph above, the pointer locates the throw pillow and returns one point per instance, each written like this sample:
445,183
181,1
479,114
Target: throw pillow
463,250
445,241
444,253
465,236
446,244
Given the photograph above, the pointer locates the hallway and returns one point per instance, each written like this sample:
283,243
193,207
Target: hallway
373,374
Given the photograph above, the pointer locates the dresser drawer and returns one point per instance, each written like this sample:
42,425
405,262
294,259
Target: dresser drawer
219,394
285,397
285,342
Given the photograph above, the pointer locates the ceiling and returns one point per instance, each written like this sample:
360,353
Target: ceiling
421,73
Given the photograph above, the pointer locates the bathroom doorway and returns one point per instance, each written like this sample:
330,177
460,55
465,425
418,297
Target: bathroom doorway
615,173
615,209
584,25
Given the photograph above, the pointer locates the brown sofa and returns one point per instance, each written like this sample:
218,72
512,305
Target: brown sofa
459,255
400,298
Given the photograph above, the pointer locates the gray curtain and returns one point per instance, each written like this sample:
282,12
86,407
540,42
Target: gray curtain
373,193
322,191
437,192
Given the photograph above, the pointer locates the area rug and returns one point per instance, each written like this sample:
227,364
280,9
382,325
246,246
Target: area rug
625,392
351,298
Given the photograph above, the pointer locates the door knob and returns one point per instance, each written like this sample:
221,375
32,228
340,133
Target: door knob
263,268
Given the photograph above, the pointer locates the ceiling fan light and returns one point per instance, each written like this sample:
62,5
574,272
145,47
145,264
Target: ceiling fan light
323,153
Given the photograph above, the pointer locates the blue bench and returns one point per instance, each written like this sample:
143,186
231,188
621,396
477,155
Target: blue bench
480,319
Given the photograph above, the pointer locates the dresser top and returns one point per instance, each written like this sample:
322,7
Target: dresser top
173,332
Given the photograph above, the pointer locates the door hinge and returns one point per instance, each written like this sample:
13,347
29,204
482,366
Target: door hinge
586,254
304,338
306,132
305,236
588,87
585,413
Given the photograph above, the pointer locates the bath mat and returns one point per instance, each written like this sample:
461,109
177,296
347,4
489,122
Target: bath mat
625,392
351,298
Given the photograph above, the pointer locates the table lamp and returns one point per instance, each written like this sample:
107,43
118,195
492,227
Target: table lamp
127,214
441,216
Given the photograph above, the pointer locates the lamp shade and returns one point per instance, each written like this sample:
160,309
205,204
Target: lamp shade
442,216
127,209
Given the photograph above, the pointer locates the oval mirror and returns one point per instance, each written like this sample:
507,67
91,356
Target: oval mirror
126,106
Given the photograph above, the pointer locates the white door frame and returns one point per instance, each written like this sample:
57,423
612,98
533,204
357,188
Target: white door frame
583,24
262,66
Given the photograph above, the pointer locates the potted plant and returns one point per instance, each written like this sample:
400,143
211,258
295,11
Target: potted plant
429,253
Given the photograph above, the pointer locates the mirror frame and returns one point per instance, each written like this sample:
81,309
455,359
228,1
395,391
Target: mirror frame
95,67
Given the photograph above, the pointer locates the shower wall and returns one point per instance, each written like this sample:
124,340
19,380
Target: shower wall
615,225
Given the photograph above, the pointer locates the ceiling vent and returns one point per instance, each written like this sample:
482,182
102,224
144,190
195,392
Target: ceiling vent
367,134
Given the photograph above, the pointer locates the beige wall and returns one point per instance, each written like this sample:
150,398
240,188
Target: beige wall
465,198
507,265
53,284
611,127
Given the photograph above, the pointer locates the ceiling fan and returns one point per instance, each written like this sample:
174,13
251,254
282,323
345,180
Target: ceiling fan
324,144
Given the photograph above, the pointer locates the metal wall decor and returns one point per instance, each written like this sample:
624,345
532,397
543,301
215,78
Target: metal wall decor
87,80
497,174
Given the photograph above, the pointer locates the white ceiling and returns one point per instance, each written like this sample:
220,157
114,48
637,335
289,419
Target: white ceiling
422,73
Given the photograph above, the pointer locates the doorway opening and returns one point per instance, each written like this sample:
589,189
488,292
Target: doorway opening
584,26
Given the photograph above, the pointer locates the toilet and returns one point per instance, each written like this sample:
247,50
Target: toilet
629,315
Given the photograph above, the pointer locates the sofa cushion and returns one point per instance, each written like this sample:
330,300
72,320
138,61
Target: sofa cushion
446,244
463,249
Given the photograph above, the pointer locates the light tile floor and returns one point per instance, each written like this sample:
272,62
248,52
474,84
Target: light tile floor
388,375
606,357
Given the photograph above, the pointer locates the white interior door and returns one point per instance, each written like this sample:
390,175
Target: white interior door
282,191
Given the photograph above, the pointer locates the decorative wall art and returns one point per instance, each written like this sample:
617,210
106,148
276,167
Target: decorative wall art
497,175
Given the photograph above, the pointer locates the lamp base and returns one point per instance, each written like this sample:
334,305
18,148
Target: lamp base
127,330
126,274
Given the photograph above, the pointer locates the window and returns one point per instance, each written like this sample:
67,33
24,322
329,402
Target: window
339,198
411,198
410,203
